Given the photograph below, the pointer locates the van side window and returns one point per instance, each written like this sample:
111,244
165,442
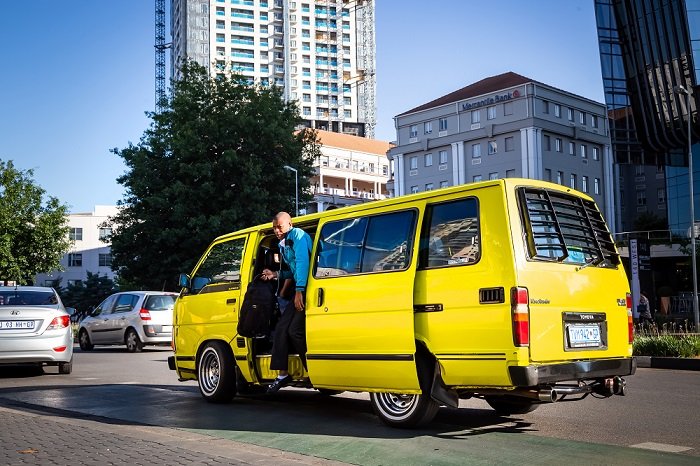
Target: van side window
450,234
222,265
369,244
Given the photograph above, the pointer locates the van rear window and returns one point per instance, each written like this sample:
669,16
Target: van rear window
565,228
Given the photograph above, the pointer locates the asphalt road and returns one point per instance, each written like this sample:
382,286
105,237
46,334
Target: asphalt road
656,423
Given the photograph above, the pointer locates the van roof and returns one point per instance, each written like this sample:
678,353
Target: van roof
505,183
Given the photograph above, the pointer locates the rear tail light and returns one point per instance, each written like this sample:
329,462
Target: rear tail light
59,322
520,308
630,321
144,314
60,349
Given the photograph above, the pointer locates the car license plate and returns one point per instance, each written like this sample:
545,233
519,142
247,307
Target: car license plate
16,324
167,329
584,335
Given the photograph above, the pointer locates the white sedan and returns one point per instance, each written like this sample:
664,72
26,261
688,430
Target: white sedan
35,328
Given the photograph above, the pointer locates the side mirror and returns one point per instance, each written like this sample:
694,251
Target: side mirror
184,280
199,282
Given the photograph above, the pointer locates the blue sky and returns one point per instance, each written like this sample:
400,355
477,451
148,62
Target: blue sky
78,75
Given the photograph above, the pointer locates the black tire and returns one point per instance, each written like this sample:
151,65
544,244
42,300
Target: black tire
509,405
132,341
65,367
84,340
329,392
216,373
398,410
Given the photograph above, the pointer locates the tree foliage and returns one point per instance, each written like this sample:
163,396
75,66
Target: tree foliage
85,295
33,234
210,163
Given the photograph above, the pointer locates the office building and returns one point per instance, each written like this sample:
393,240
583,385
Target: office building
505,126
90,250
320,53
350,170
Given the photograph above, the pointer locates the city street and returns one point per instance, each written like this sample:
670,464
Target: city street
110,387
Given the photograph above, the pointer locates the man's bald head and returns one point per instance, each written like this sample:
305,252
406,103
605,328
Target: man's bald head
281,224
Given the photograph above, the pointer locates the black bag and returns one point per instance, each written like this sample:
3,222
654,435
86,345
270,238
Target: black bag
257,309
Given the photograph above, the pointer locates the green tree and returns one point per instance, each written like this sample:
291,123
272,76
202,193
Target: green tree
33,234
84,295
211,162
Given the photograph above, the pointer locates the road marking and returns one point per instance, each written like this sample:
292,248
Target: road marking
661,447
88,378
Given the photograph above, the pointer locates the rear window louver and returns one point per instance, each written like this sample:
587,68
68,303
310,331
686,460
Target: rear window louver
566,228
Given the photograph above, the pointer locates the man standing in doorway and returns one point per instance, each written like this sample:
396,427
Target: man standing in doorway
295,248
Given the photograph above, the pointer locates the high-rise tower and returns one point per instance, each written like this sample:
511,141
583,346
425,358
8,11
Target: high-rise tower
320,52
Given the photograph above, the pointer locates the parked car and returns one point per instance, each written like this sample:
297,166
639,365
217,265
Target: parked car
132,318
35,328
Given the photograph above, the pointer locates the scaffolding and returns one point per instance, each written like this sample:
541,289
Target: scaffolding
366,64
160,46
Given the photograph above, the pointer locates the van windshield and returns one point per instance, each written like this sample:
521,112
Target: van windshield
565,228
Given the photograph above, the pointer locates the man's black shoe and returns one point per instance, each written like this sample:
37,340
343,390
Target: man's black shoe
279,383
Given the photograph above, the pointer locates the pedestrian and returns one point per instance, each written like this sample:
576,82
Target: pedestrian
290,331
644,309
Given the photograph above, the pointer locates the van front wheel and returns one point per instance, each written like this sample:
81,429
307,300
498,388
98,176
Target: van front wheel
399,410
216,373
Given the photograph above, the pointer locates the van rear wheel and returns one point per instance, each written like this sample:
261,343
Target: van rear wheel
399,410
508,405
216,373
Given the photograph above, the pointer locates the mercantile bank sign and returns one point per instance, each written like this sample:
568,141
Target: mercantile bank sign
491,100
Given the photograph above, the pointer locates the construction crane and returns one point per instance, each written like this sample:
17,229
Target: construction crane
161,46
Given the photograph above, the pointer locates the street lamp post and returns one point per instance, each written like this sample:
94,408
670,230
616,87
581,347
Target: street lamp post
296,187
696,311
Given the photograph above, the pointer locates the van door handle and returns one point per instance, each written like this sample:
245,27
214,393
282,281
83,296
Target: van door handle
231,301
319,301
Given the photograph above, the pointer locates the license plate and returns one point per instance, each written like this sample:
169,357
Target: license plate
166,329
584,335
16,324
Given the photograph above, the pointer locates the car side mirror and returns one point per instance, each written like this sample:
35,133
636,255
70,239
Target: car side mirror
199,282
184,280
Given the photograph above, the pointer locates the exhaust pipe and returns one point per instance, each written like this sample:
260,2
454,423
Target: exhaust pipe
548,395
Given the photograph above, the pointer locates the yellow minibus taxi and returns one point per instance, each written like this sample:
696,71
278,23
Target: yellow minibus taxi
508,290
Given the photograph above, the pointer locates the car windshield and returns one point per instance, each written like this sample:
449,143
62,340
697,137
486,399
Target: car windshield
160,303
27,298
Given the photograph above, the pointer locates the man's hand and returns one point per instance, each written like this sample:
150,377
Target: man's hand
299,301
268,274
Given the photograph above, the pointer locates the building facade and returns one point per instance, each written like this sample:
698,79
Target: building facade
505,126
350,170
321,53
90,251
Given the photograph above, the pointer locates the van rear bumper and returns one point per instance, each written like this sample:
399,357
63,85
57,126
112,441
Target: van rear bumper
533,375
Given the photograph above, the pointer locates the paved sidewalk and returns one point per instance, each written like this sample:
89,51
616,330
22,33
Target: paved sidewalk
34,437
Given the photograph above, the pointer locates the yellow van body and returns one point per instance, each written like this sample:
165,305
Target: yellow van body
510,290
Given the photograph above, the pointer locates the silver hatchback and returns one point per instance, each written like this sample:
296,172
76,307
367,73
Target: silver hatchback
35,328
132,318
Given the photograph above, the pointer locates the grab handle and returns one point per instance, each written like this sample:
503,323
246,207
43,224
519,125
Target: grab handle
319,300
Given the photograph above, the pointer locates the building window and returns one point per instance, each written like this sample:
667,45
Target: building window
413,132
443,157
510,145
476,116
557,110
572,181
414,163
75,234
584,184
558,145
105,234
545,106
429,160
547,174
429,186
560,178
584,152
661,195
508,108
491,113
596,153
547,143
596,189
414,189
73,282
428,127
582,118
476,178
444,184
493,176
641,198
594,121
476,150
443,124
75,260
510,173
493,147
570,113
572,148
105,260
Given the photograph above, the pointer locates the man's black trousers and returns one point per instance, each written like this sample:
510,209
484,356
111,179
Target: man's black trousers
290,338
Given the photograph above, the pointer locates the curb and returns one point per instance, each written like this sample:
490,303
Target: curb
654,362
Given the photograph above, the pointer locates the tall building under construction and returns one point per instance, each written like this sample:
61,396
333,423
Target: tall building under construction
321,53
